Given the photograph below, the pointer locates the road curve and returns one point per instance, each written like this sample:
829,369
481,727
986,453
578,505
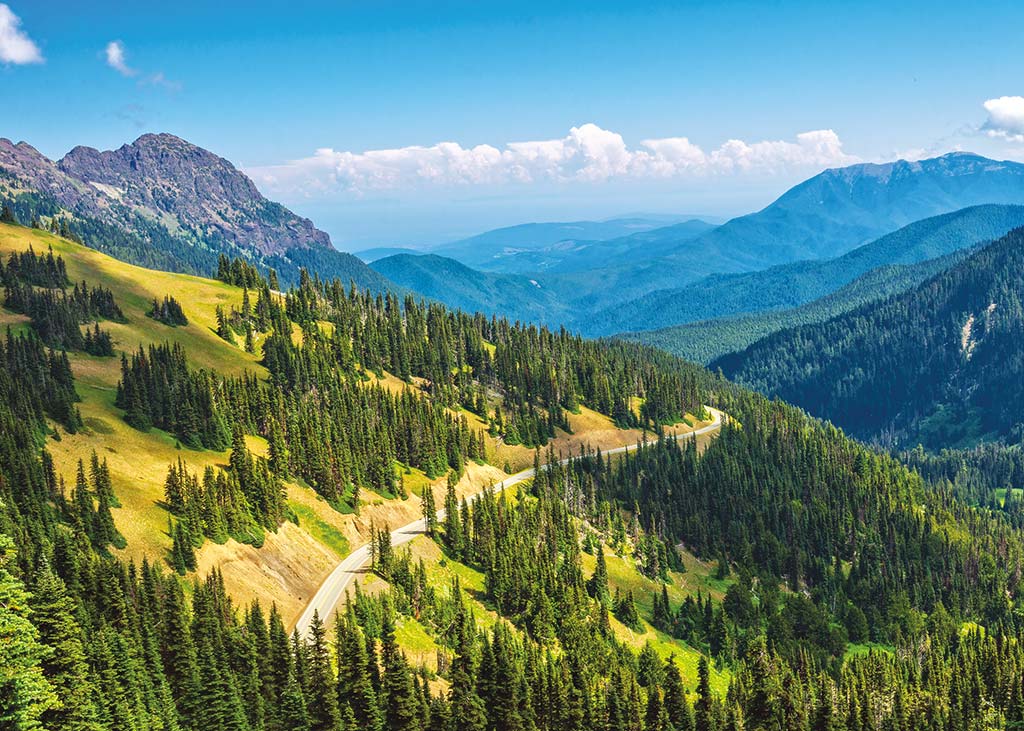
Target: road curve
333,587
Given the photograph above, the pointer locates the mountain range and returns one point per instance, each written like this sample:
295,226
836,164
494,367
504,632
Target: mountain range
163,201
788,286
654,278
193,471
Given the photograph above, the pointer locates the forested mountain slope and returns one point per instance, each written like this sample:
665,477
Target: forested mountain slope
707,340
161,201
821,218
941,363
170,325
515,296
791,285
822,545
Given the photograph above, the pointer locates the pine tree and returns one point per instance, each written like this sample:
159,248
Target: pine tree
183,555
429,510
704,716
676,707
322,700
355,685
453,527
25,694
66,667
293,714
468,712
400,705
597,585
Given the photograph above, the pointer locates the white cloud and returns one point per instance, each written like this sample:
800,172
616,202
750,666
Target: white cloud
1005,118
587,154
117,60
15,45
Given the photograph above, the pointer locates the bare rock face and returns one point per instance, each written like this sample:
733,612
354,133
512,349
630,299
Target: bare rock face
165,203
24,167
171,180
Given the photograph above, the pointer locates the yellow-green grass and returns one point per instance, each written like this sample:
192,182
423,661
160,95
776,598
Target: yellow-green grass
442,571
419,647
323,531
1001,494
864,648
139,460
624,576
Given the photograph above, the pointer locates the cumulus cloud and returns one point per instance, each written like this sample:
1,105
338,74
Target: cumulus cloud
587,154
1005,118
15,45
117,60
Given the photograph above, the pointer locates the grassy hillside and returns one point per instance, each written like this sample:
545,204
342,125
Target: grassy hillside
293,561
623,575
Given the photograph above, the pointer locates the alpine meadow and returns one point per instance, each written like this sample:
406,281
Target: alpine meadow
343,389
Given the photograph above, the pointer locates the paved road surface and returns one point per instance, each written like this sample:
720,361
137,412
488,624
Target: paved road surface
333,588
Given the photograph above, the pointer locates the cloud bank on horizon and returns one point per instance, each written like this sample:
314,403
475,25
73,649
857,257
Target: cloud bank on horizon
587,154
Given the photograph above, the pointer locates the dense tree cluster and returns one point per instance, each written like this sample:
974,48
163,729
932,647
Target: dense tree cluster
38,382
987,476
824,542
539,374
238,503
38,270
248,321
168,312
157,388
242,273
34,286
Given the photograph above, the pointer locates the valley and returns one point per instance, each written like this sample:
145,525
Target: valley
251,483
291,563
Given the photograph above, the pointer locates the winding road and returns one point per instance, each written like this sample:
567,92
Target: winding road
333,587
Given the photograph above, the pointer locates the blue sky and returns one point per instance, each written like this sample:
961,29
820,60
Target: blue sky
627,107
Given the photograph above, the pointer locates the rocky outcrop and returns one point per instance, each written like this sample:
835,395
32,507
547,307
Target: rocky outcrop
169,179
23,167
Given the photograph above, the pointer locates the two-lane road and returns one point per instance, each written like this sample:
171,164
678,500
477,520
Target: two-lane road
333,588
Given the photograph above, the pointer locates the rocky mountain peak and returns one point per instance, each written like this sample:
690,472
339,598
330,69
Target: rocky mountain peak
167,178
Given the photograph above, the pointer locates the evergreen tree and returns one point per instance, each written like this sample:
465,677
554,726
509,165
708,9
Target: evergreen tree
25,693
66,667
322,700
597,585
400,705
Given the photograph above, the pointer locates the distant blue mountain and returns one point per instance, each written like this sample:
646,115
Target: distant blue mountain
665,275
821,218
379,252
536,247
515,296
